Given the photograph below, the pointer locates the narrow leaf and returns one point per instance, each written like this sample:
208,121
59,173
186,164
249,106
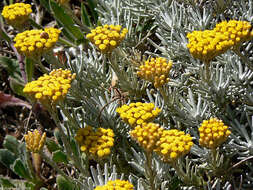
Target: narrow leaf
66,21
6,183
84,16
59,156
64,184
29,68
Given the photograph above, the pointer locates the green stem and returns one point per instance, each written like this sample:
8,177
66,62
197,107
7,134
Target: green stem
181,173
249,64
207,71
77,161
150,173
164,95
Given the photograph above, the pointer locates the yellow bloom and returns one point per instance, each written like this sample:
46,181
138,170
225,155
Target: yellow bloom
147,135
212,133
207,44
107,37
50,88
138,113
173,144
16,14
155,71
116,185
33,43
98,144
34,141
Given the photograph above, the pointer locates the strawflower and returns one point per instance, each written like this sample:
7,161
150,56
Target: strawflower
147,135
138,113
212,133
49,89
207,44
17,14
35,141
34,43
107,37
96,143
173,144
155,70
116,185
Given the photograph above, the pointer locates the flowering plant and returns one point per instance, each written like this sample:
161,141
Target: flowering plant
132,94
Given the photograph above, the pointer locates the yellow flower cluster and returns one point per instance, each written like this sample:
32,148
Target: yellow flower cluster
107,37
33,43
205,45
138,113
116,185
155,71
147,135
173,144
34,141
16,14
213,133
50,88
97,143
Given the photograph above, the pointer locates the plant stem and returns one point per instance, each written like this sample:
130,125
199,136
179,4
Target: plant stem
181,173
207,71
77,160
164,95
150,173
21,63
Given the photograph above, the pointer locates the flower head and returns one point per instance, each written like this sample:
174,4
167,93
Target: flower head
116,185
147,135
35,42
173,144
35,141
50,88
207,44
107,37
138,113
156,71
97,143
212,133
16,14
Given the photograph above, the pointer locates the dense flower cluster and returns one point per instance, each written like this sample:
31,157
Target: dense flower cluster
98,143
147,135
213,133
156,71
205,45
16,14
34,141
107,37
50,88
138,113
116,185
173,144
35,42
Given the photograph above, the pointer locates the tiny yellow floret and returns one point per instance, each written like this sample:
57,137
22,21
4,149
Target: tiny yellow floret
212,133
116,185
173,144
35,141
17,14
206,45
107,37
33,43
49,89
147,135
96,143
156,71
138,113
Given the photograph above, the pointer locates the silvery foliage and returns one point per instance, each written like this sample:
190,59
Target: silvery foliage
161,27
